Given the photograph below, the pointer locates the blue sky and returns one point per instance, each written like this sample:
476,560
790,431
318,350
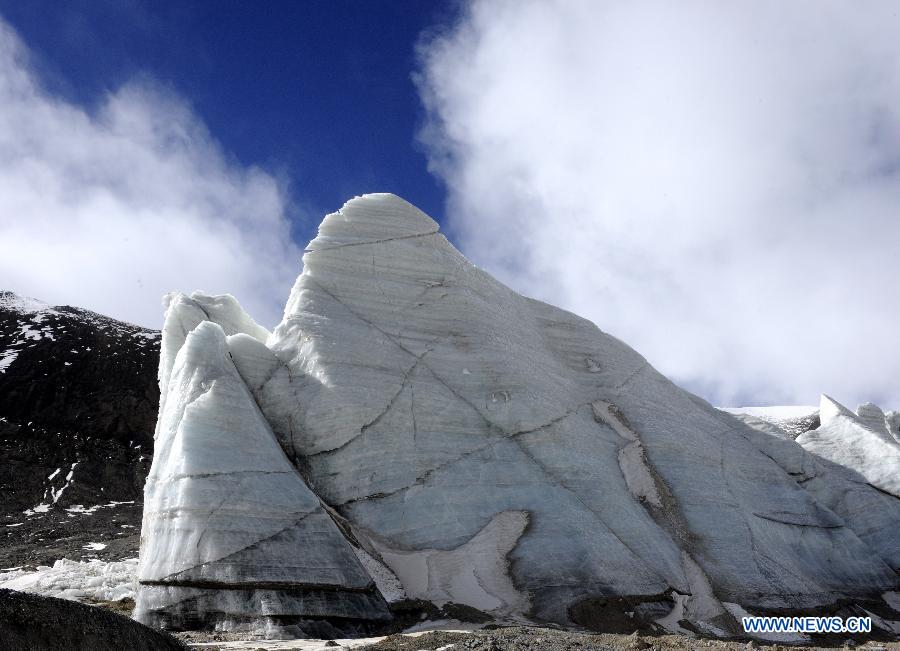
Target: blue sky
714,183
320,93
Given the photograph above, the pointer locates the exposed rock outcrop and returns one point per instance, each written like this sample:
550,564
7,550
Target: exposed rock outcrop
78,403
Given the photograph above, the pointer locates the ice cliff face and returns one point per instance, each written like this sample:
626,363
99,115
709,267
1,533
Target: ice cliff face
230,528
488,449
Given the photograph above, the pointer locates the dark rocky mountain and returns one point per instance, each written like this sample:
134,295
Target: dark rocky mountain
78,404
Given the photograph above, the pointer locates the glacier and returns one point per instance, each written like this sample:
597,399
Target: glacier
413,418
225,512
861,441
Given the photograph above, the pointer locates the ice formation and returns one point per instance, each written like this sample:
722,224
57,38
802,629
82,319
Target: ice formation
486,449
230,529
92,580
860,441
782,421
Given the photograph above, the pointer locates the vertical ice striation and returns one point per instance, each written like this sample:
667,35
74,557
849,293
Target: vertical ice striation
490,450
435,398
231,532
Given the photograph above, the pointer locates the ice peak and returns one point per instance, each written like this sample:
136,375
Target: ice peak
372,218
830,409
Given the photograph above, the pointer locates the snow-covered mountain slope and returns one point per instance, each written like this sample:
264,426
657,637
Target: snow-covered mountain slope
78,401
500,453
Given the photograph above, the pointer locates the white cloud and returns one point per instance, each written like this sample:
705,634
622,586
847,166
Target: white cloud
111,208
717,184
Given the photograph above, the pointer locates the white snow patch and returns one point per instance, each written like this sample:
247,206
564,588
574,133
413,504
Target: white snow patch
54,473
79,508
40,508
7,357
95,546
17,524
28,333
57,494
77,580
87,510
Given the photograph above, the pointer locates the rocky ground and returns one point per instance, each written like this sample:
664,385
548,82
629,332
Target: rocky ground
530,639
520,638
45,538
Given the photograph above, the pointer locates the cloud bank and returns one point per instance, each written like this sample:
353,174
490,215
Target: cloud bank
717,184
112,207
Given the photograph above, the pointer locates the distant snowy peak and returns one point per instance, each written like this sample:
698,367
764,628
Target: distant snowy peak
29,315
25,321
23,304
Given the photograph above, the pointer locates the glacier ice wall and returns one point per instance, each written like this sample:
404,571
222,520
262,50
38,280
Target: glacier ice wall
230,529
498,452
860,441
